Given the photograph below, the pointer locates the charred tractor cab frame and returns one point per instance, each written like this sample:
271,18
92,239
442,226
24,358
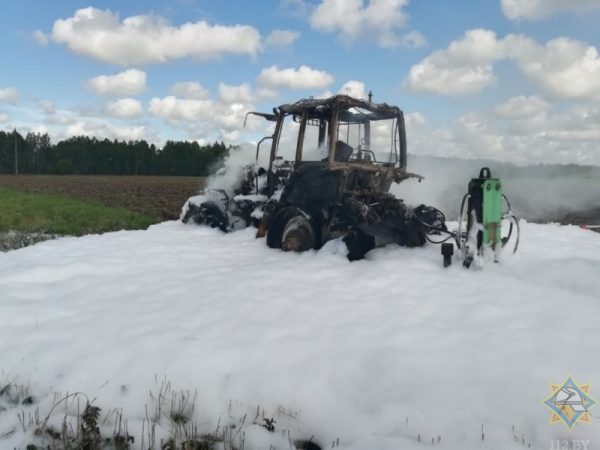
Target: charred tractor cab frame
329,114
302,203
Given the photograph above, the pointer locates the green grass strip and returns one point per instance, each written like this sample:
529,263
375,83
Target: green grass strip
47,213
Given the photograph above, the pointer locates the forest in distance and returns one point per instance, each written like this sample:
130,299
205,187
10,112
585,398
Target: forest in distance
83,155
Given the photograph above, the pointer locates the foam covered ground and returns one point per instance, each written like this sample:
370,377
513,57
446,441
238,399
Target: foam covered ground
379,353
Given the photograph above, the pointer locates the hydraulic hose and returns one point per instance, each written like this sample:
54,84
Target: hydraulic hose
460,235
513,223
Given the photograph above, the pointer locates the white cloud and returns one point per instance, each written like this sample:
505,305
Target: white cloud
229,136
325,94
61,118
294,8
107,130
47,107
9,95
539,9
210,119
40,37
353,88
129,82
353,19
190,89
412,39
465,67
428,77
265,93
4,117
62,124
231,117
281,38
124,108
208,114
144,39
540,136
562,67
174,110
415,119
236,94
53,116
522,107
302,78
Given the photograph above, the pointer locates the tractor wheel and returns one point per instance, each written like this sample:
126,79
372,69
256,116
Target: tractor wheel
291,230
192,214
207,213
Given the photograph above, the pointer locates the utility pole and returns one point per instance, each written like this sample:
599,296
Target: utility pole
16,154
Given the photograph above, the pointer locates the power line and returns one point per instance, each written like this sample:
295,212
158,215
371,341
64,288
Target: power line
16,154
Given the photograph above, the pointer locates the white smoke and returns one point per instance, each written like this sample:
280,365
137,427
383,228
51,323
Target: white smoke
230,175
537,193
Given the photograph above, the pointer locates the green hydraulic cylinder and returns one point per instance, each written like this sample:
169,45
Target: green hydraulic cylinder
492,211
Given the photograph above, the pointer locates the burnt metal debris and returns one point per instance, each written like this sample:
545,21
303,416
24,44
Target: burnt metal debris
300,203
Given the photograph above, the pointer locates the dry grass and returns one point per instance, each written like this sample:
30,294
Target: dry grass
72,421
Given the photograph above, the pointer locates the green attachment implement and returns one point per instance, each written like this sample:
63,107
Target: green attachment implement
492,211
482,210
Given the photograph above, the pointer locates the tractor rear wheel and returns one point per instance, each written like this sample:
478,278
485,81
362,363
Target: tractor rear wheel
291,230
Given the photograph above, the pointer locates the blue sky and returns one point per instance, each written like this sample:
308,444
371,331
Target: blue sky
515,80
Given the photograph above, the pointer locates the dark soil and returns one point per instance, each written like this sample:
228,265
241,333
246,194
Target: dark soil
160,198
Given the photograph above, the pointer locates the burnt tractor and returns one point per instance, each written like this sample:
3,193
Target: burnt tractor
329,171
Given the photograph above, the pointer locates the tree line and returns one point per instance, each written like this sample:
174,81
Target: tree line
84,155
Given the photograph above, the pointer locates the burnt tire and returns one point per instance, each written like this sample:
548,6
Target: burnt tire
291,230
192,214
207,213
